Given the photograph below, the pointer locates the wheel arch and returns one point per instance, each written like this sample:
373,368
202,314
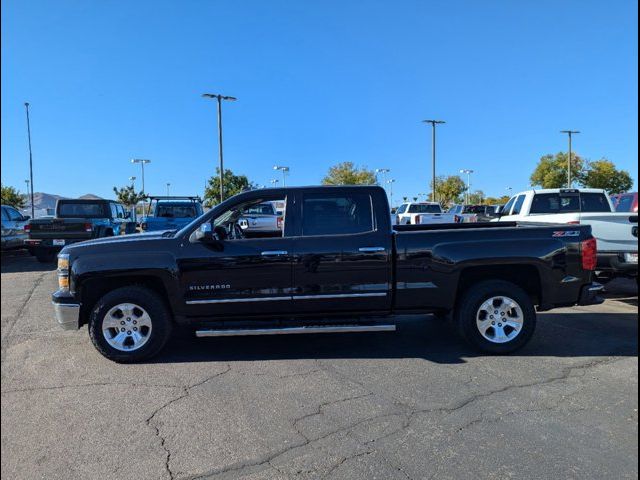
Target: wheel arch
525,276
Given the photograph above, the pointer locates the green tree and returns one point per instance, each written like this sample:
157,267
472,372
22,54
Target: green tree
233,184
449,189
346,173
477,197
11,196
551,171
497,200
128,196
604,174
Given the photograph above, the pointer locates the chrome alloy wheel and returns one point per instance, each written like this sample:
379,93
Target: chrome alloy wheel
500,319
126,327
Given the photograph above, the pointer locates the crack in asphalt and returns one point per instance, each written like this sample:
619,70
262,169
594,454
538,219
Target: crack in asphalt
186,390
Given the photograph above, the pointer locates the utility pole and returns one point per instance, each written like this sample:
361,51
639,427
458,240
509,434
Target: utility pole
468,172
433,154
570,133
221,165
33,212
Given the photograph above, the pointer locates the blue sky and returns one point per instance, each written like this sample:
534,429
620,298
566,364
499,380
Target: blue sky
317,83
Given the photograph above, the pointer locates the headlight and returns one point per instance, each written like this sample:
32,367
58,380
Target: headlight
63,271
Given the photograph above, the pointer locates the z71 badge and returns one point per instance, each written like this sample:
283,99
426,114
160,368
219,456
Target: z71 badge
567,233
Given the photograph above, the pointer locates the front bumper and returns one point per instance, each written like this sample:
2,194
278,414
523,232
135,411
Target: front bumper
590,294
66,311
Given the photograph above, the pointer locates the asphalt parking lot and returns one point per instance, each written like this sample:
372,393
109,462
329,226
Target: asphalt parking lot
415,404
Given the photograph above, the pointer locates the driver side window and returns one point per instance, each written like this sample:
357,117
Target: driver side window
262,218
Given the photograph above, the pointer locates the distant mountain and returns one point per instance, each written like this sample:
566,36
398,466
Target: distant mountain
90,196
43,200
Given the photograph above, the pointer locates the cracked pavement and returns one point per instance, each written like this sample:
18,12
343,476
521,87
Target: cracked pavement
415,404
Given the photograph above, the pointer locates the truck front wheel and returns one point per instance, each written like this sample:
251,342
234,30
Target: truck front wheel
130,324
496,317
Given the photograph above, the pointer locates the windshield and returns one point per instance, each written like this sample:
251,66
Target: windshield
78,209
474,209
184,210
261,209
424,208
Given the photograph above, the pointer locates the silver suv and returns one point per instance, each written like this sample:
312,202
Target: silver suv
13,233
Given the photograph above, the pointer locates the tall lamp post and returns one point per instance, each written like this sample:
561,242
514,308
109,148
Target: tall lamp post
142,162
433,154
274,182
28,182
468,172
570,134
391,182
168,185
220,98
284,171
26,106
132,179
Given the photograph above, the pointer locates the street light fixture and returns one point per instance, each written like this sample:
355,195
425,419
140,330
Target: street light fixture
142,162
274,182
384,172
284,171
468,172
433,154
570,133
219,98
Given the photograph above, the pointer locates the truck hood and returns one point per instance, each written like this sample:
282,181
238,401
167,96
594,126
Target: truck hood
124,241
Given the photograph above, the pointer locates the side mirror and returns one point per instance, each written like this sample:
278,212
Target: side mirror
205,234
26,217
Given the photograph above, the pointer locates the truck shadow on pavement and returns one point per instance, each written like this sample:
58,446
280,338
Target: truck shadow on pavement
16,261
558,335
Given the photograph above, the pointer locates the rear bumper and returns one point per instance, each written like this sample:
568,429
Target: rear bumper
67,311
590,294
615,262
47,243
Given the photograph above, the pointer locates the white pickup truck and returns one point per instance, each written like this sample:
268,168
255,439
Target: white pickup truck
616,233
413,213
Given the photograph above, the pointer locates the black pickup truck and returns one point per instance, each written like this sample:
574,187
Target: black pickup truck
338,265
76,220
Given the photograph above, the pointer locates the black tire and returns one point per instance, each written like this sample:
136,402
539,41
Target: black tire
469,306
149,301
45,256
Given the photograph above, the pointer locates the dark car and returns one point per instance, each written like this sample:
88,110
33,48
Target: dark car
625,202
337,261
76,221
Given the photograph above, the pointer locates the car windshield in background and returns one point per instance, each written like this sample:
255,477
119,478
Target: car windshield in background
262,209
474,209
85,210
176,211
422,208
625,204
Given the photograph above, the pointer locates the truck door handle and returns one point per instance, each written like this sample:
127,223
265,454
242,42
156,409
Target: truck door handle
371,249
274,253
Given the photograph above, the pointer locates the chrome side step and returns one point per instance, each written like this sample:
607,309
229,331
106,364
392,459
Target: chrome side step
295,330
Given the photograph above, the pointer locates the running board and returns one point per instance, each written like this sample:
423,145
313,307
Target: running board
295,330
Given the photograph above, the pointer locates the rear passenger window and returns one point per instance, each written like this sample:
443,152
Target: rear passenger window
555,203
594,202
326,214
517,208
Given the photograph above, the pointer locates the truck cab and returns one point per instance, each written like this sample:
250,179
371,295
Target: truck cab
170,213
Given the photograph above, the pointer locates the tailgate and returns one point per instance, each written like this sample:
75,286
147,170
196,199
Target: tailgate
59,228
614,232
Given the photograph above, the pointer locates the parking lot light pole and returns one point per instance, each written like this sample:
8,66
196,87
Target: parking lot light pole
433,154
219,98
284,171
142,162
132,179
26,106
468,172
384,172
274,182
391,182
168,185
570,134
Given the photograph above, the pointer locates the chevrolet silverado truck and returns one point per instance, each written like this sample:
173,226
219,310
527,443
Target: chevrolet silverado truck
75,221
338,265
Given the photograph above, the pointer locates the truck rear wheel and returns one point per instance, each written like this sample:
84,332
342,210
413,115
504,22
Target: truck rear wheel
130,324
496,317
